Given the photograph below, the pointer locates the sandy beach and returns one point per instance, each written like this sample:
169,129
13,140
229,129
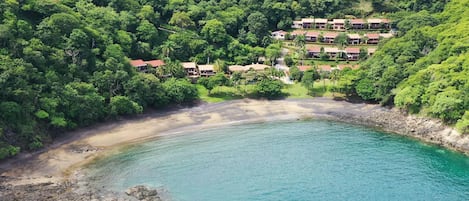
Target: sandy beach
59,161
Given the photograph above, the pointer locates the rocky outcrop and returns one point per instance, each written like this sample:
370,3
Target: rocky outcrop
70,191
423,128
143,193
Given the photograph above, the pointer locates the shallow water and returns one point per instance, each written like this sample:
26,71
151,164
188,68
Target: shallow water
302,160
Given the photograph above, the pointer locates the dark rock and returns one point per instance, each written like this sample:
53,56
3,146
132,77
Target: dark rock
143,193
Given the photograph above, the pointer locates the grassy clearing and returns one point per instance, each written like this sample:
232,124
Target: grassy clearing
224,93
296,91
320,89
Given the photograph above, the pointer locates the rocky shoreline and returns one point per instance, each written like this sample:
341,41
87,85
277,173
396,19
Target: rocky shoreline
15,185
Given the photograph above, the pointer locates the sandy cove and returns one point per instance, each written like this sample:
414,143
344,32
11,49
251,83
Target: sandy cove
59,160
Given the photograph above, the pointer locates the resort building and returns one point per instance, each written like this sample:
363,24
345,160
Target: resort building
206,70
311,36
307,23
333,52
354,39
296,33
338,24
279,35
358,23
353,53
378,24
257,67
314,52
329,37
142,66
190,68
236,68
297,24
373,38
139,64
320,23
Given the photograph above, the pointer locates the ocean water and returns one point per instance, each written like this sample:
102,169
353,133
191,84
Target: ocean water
289,161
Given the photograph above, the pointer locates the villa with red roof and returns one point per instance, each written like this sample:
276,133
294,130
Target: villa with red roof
373,38
338,24
329,37
142,66
358,23
314,52
311,36
353,53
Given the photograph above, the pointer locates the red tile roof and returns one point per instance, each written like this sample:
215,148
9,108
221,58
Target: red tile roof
357,21
331,35
155,63
137,63
304,68
352,50
372,35
314,49
312,34
298,32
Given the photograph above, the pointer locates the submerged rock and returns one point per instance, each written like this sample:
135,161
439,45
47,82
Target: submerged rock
145,193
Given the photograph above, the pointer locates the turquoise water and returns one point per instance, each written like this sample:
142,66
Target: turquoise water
302,160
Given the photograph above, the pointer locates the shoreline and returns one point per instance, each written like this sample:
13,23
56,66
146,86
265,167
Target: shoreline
60,163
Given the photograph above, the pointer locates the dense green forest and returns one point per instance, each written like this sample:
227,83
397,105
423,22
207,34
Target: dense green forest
65,63
426,70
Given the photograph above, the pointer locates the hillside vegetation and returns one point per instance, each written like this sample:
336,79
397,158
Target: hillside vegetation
426,70
64,64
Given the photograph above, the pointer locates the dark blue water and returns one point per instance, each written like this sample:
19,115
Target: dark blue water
303,160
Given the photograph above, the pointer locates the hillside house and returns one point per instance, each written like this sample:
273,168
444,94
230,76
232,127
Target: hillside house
307,23
358,23
236,68
297,25
314,52
333,52
329,37
296,33
378,23
353,53
257,67
320,23
279,35
190,68
155,63
373,38
354,39
311,36
338,24
206,70
142,66
139,64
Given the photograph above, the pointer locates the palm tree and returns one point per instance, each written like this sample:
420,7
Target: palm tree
167,47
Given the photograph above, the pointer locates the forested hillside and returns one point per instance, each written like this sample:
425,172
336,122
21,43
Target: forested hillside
426,70
65,63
